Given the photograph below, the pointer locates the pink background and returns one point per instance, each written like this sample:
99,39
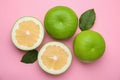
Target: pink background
107,23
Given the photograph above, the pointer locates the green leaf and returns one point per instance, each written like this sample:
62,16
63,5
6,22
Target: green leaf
30,57
87,19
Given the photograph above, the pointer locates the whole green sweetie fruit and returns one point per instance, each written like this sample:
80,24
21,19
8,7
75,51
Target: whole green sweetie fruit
89,46
61,22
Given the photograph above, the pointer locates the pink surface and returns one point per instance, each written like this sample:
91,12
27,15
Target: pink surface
107,23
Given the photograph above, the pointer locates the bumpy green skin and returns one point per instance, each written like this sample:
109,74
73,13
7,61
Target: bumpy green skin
61,22
89,46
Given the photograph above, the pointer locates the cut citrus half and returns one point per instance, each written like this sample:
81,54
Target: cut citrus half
27,33
54,58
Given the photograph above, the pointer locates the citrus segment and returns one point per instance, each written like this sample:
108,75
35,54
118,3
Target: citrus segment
54,57
27,33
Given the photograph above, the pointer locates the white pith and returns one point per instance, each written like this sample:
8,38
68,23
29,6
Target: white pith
16,26
51,71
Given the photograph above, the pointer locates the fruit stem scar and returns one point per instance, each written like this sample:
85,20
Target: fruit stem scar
28,32
55,58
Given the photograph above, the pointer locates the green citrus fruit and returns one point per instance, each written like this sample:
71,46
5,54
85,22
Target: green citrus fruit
89,46
61,22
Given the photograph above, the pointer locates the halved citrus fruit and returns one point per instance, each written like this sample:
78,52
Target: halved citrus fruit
54,58
27,33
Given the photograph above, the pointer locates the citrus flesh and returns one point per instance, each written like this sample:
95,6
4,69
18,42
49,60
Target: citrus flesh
27,33
61,22
89,46
54,58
